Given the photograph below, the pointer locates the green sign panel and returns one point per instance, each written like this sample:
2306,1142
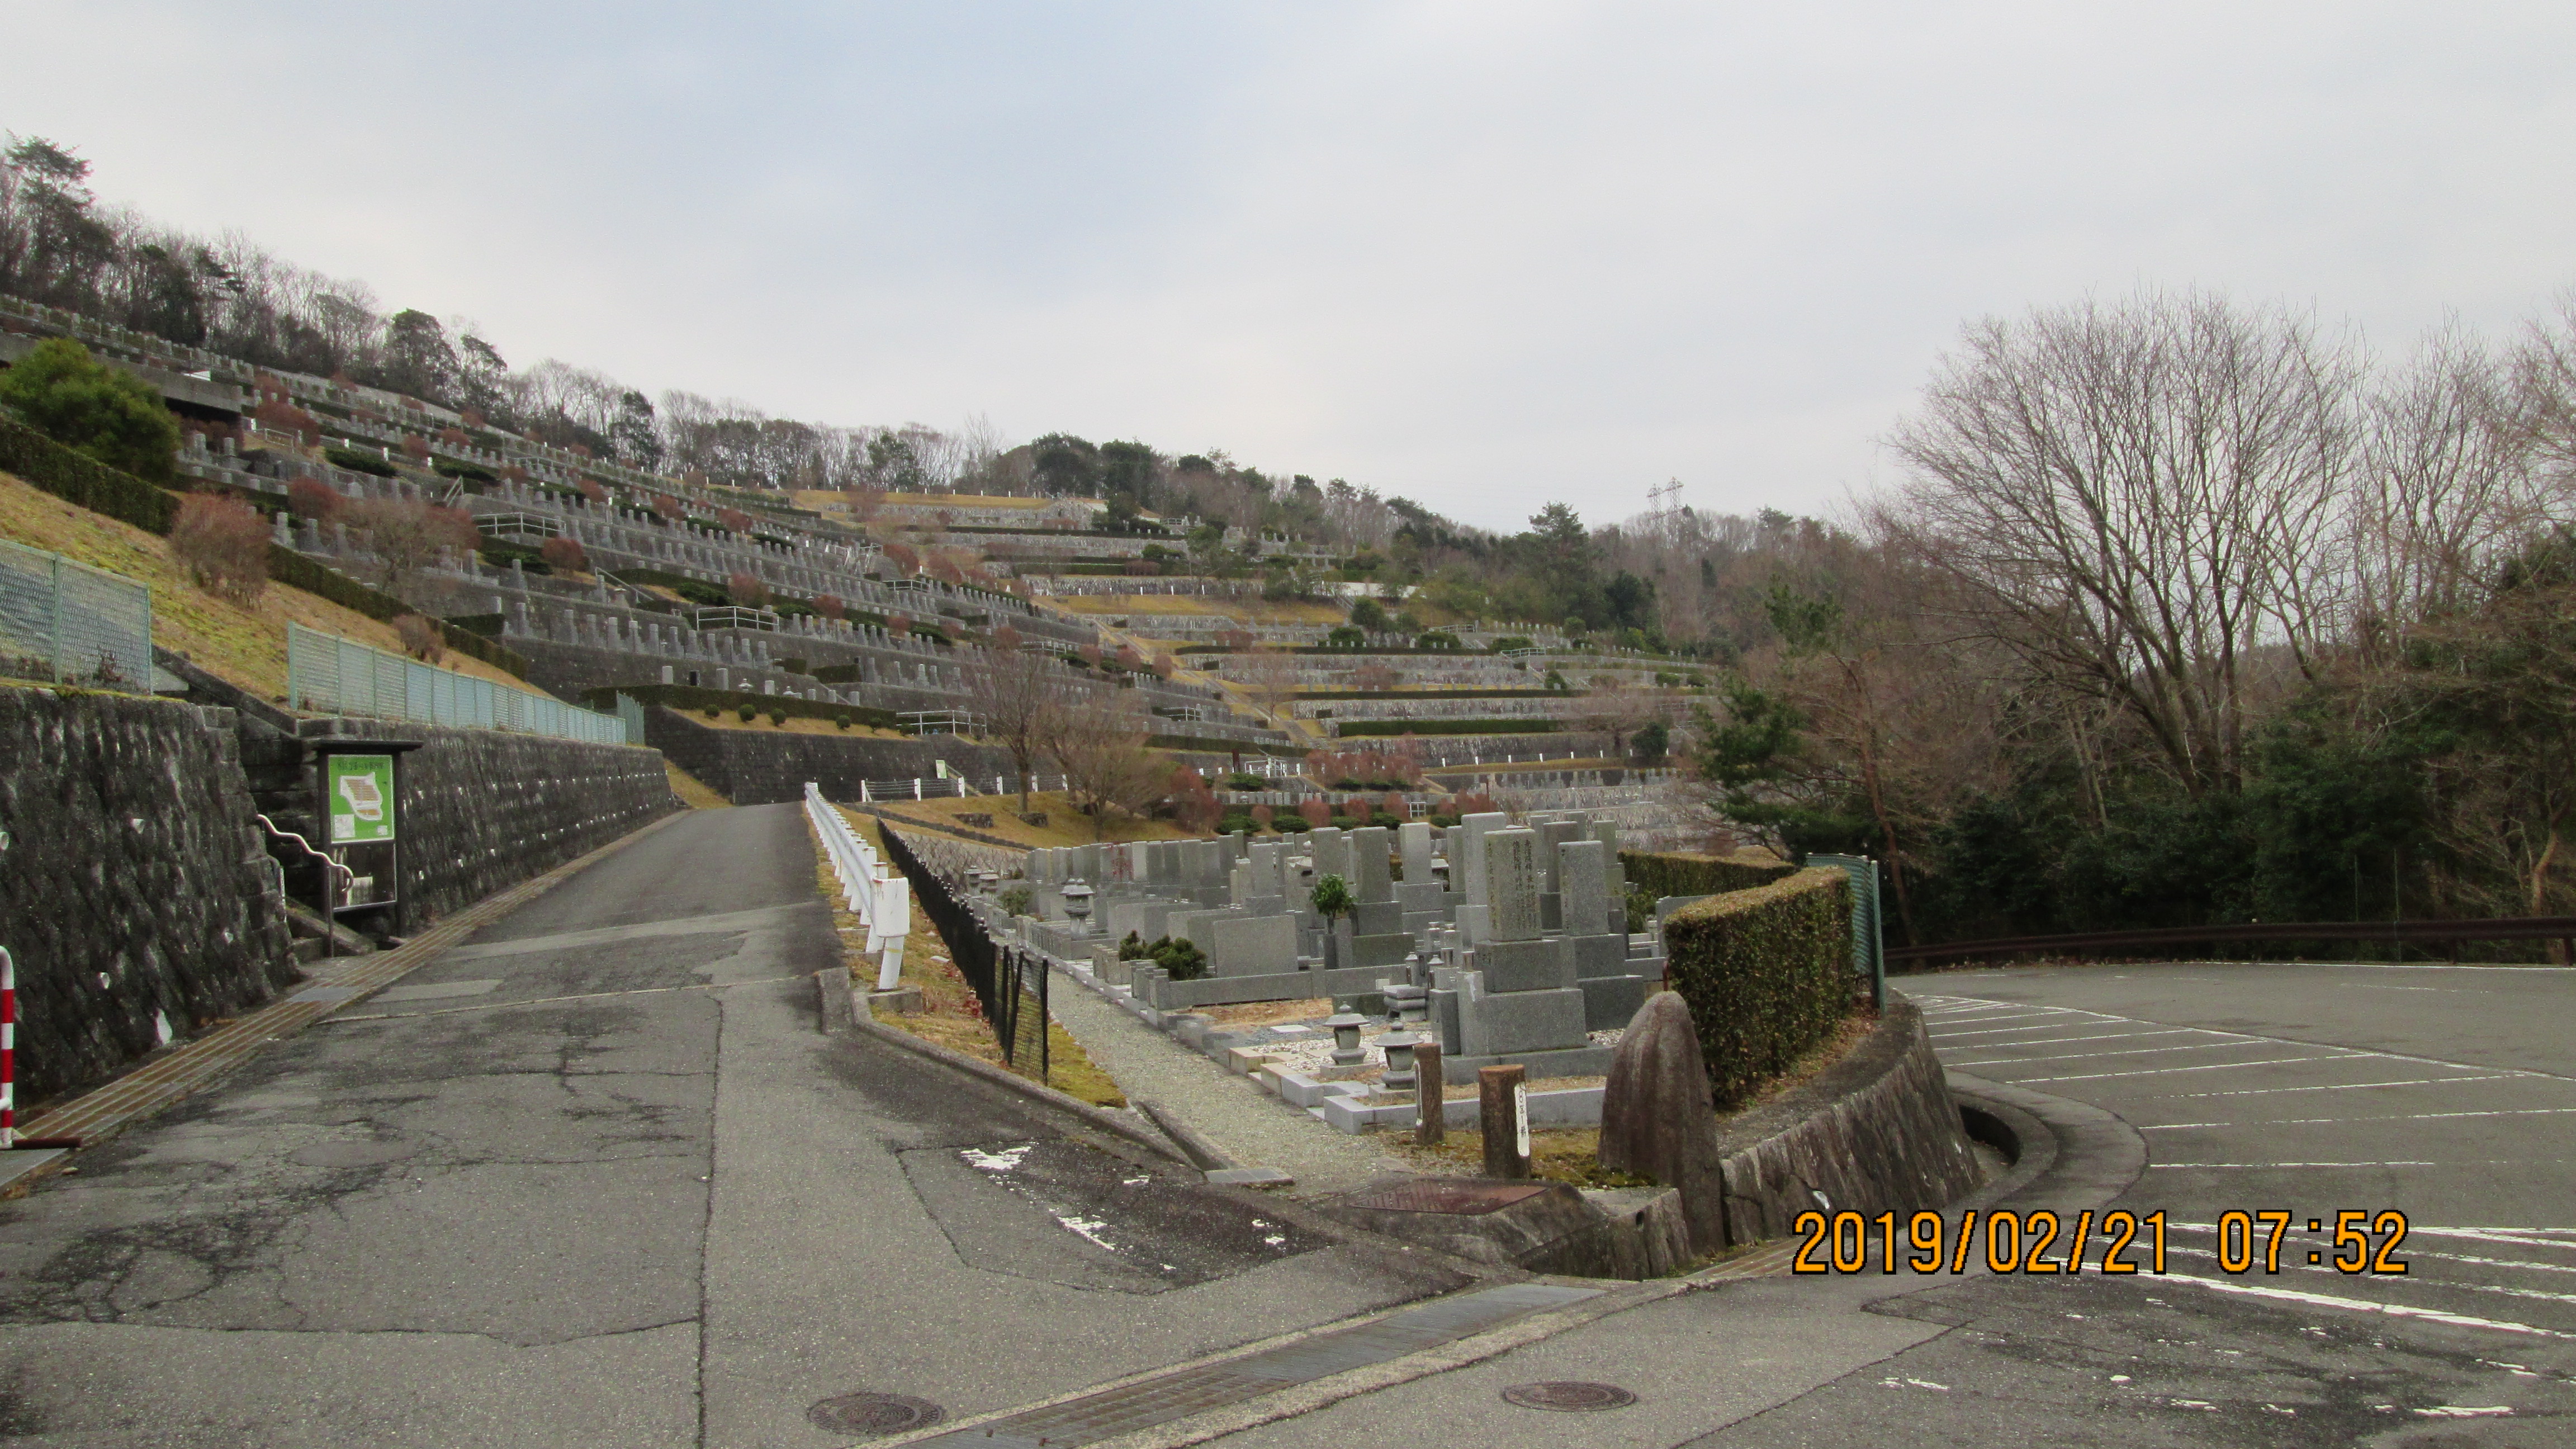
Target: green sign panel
362,798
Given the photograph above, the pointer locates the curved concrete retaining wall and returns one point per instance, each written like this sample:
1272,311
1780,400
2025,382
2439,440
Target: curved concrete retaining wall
1876,1132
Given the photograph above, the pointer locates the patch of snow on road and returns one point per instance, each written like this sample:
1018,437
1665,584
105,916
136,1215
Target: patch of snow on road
1002,1161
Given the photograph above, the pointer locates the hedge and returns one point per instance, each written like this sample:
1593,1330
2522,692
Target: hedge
1452,727
1678,874
1432,694
78,478
1766,973
699,697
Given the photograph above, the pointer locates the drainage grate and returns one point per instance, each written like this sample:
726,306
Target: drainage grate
1568,1395
866,1413
1444,1195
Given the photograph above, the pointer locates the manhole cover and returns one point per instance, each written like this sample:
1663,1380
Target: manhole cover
1443,1195
874,1414
1568,1396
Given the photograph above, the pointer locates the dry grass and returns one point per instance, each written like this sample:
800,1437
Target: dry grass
245,646
1268,1013
1063,827
1250,611
950,1015
731,719
697,794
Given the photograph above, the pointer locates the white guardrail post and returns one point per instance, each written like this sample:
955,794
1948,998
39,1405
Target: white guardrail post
874,891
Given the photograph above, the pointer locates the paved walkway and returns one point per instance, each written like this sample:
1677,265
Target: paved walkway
593,1176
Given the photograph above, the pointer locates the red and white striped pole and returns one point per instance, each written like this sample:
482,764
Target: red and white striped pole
8,1050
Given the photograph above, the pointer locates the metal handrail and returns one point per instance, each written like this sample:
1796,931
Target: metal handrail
307,846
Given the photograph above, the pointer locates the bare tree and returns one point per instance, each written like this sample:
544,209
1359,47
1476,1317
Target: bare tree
2141,498
1024,697
1107,768
407,535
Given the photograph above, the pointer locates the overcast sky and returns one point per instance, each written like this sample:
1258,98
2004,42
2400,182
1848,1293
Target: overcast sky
1483,255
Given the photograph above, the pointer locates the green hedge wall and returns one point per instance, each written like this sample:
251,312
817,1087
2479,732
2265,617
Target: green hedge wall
1452,727
1766,973
1679,874
77,478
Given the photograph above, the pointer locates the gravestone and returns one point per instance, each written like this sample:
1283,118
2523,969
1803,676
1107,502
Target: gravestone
1511,874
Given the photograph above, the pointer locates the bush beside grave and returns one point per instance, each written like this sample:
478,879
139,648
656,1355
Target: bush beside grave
1767,974
1676,873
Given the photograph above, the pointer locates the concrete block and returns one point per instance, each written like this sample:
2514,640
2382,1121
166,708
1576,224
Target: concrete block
1505,1022
1600,955
1526,965
1252,945
1610,1002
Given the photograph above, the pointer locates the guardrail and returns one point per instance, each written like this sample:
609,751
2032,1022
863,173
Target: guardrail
326,674
875,892
2508,928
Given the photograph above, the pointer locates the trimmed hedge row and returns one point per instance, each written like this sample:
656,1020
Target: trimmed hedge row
699,697
80,479
1766,973
1452,727
1674,873
1431,694
76,477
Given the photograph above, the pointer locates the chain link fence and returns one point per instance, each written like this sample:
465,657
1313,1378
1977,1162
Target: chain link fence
72,624
326,674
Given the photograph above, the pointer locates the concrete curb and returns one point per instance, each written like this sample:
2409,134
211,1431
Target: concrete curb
105,1111
1304,1398
1144,1136
2089,1158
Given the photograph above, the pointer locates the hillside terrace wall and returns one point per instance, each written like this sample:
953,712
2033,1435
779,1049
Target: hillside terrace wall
761,767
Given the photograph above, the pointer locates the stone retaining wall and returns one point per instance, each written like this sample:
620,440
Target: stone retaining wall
761,767
135,894
1876,1132
483,810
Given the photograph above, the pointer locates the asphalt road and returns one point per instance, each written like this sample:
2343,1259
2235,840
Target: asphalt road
2446,1094
595,1177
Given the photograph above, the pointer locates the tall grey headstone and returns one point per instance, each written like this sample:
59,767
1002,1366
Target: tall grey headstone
1583,886
1413,840
1512,880
1476,827
1369,877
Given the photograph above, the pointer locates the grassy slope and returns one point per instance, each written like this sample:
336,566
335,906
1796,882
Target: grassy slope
244,646
1063,826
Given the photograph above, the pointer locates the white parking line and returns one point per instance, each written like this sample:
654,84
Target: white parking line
2065,1026
2258,1166
2333,1047
2171,1071
2347,1086
2198,1046
2498,1289
2342,1121
2364,1305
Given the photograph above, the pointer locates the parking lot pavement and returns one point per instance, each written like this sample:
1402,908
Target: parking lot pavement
2438,1093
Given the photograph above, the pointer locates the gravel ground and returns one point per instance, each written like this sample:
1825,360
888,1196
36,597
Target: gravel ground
1247,1124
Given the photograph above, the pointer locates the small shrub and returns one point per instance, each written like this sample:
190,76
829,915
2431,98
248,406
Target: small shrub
1133,948
1237,824
420,638
1246,782
777,716
564,555
106,412
354,461
748,712
314,499
1348,822
1291,825
223,544
1331,897
1385,819
1181,959
713,712
1445,822
842,720
1016,900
